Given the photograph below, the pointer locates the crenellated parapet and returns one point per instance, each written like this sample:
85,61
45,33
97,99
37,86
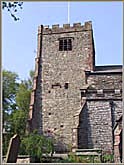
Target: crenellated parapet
66,28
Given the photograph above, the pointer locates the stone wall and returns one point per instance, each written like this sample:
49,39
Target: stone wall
103,108
105,80
96,124
35,109
99,125
61,68
71,99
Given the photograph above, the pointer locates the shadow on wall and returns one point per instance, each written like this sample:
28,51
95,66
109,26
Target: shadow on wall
60,147
112,107
84,130
120,147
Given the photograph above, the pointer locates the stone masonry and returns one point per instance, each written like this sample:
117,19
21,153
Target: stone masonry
72,98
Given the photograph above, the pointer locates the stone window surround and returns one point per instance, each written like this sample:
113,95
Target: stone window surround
65,44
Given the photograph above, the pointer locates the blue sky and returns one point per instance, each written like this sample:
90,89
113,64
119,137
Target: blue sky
19,39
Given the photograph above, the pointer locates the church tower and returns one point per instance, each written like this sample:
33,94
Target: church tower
72,99
64,54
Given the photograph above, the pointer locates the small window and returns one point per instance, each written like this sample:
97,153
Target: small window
60,45
66,86
65,44
56,85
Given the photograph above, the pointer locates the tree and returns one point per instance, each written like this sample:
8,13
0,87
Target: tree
16,100
19,117
12,8
37,145
10,88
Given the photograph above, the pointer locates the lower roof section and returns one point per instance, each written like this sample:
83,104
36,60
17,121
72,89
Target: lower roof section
106,69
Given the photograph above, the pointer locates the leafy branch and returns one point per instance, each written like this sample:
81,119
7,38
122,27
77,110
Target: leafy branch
12,8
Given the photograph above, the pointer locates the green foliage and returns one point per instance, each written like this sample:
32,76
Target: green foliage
23,97
36,145
12,8
19,117
5,143
23,101
10,88
16,100
80,159
18,122
108,158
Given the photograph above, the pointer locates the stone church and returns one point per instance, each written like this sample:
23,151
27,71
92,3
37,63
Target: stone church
72,97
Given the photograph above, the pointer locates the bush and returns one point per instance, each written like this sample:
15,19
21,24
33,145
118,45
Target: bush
108,158
36,145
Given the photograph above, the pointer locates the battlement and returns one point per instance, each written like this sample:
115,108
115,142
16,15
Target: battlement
65,28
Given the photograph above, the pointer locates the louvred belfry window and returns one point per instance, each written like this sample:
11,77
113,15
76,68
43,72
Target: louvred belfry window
65,44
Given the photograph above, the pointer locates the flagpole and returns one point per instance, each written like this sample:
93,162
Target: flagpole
68,11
